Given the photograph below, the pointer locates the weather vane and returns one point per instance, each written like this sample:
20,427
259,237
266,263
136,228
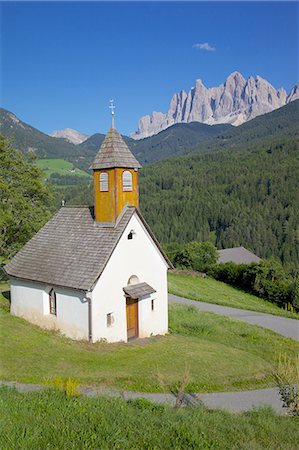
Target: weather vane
112,107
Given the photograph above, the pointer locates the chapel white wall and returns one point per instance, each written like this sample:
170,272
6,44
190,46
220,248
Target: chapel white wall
30,300
138,256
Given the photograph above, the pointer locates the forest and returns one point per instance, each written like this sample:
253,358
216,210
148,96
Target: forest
247,196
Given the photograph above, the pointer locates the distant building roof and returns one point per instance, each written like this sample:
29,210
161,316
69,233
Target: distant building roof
71,250
238,255
114,152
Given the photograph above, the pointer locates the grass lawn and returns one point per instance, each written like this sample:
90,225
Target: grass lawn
54,421
59,166
221,354
212,291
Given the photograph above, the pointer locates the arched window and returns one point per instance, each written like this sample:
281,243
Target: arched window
104,182
133,280
127,181
52,302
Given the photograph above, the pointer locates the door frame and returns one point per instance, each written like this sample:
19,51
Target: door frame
136,312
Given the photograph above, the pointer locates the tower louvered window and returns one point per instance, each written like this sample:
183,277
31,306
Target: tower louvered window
127,181
104,182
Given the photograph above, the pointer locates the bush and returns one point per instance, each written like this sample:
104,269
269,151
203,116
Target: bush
286,376
200,256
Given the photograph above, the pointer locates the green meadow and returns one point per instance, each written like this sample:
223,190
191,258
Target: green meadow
220,354
212,291
60,166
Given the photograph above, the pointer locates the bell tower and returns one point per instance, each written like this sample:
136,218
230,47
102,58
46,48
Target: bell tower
115,176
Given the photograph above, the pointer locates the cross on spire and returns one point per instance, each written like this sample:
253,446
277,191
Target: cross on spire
112,107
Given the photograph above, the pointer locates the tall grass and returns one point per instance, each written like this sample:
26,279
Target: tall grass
54,421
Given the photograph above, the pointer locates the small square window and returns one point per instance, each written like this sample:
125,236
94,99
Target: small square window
110,319
153,304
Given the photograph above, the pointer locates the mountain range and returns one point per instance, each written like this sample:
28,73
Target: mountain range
28,139
236,186
178,139
235,101
73,136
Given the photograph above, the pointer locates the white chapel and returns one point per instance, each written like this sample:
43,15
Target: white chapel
96,272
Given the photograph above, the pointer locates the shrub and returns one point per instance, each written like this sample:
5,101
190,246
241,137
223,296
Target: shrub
286,376
199,256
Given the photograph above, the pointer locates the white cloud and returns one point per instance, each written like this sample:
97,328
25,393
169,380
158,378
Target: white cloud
204,46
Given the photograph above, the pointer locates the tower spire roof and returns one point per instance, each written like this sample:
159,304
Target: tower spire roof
114,152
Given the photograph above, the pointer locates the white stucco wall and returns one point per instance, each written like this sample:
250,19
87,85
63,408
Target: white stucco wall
30,300
138,256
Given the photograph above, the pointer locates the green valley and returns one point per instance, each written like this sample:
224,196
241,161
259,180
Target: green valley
60,167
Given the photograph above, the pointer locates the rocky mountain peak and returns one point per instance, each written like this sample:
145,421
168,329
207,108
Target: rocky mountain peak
235,101
73,136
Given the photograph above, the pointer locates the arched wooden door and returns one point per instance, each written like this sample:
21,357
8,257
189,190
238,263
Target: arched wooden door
132,317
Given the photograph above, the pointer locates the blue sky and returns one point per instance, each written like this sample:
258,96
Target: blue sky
63,61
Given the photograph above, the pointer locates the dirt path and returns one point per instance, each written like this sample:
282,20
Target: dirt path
232,401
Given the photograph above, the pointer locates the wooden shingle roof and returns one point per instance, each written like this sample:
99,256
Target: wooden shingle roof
70,250
138,290
114,152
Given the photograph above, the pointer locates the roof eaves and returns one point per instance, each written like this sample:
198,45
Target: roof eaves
47,282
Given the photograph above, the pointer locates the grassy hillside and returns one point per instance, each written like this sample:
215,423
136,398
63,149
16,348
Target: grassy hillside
243,354
212,291
60,167
53,420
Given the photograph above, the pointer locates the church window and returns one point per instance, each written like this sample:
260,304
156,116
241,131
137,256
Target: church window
104,182
110,319
52,302
133,280
127,181
153,304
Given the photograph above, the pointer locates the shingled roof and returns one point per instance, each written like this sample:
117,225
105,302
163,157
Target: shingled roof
238,255
138,290
114,152
71,250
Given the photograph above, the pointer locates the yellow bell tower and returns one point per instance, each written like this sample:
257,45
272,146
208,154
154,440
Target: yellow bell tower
115,175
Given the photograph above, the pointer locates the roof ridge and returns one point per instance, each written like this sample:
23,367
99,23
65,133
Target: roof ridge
75,206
